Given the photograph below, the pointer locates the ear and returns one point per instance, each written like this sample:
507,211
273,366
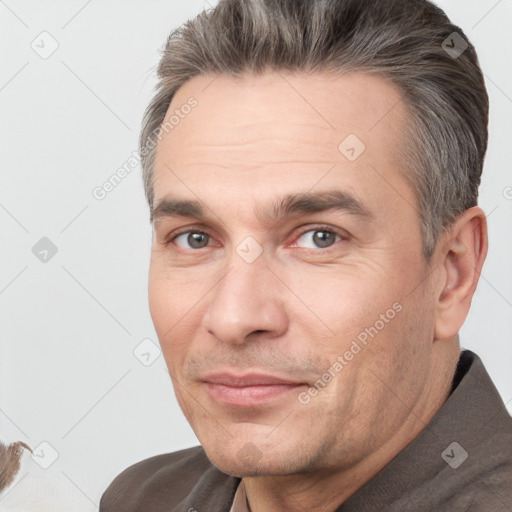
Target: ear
463,249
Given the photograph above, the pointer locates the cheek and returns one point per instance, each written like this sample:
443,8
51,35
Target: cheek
160,303
167,306
357,325
170,294
343,302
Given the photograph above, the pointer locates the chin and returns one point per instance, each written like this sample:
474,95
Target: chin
249,460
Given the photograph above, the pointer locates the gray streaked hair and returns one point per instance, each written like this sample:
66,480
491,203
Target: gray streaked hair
405,41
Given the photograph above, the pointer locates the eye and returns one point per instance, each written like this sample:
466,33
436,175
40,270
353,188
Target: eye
320,237
194,239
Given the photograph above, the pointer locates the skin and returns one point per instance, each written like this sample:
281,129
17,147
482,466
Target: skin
299,305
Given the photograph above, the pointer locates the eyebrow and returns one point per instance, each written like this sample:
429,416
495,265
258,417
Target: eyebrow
286,206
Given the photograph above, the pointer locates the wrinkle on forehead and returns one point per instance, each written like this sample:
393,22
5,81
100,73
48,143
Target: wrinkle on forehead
288,113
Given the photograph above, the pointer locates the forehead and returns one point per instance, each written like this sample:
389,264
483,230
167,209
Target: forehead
233,110
281,131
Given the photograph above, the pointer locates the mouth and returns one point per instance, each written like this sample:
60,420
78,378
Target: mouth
248,390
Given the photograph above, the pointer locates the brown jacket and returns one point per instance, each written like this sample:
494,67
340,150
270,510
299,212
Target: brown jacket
430,474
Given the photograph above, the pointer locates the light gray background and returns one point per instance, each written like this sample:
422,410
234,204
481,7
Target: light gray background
69,326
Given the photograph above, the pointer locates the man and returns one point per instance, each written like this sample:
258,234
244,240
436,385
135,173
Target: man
312,170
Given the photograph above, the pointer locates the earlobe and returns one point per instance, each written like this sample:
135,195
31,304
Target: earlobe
462,254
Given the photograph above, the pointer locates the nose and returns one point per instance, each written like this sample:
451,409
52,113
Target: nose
248,302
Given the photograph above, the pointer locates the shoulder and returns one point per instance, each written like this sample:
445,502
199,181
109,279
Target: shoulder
483,483
161,482
482,478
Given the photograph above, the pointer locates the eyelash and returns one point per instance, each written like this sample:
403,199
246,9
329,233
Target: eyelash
307,229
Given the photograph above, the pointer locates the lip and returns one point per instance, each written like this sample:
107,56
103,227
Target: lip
249,379
248,390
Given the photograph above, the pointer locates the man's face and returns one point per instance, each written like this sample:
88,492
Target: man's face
241,292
